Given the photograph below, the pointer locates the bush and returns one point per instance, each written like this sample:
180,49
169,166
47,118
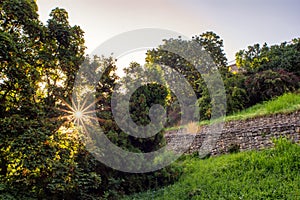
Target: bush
268,84
237,97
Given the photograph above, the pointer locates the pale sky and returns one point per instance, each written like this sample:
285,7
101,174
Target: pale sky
238,22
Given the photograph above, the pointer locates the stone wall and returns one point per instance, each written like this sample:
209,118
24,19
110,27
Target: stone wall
255,133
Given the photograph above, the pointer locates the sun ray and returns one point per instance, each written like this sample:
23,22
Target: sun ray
66,111
73,104
68,105
93,103
92,111
82,107
95,118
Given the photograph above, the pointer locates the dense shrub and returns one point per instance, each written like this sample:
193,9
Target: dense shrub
237,97
267,84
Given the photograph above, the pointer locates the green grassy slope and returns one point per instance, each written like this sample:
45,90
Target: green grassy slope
286,103
268,174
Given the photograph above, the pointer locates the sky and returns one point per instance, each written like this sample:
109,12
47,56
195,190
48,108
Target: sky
239,23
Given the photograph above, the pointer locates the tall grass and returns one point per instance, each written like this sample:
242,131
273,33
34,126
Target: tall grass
267,174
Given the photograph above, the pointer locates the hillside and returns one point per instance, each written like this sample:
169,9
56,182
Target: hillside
268,174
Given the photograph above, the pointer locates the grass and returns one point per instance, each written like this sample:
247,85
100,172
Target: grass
192,127
267,174
286,103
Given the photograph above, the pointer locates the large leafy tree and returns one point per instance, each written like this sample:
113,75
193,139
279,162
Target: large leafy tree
211,48
38,62
67,46
140,102
39,158
142,99
20,37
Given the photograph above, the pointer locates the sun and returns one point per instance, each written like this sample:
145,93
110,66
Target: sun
79,113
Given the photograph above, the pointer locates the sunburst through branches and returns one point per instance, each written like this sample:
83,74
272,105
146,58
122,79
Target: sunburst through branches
79,113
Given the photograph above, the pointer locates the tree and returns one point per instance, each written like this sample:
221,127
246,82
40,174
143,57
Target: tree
140,102
207,51
39,158
252,58
270,70
68,46
213,44
285,56
139,105
19,34
39,62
